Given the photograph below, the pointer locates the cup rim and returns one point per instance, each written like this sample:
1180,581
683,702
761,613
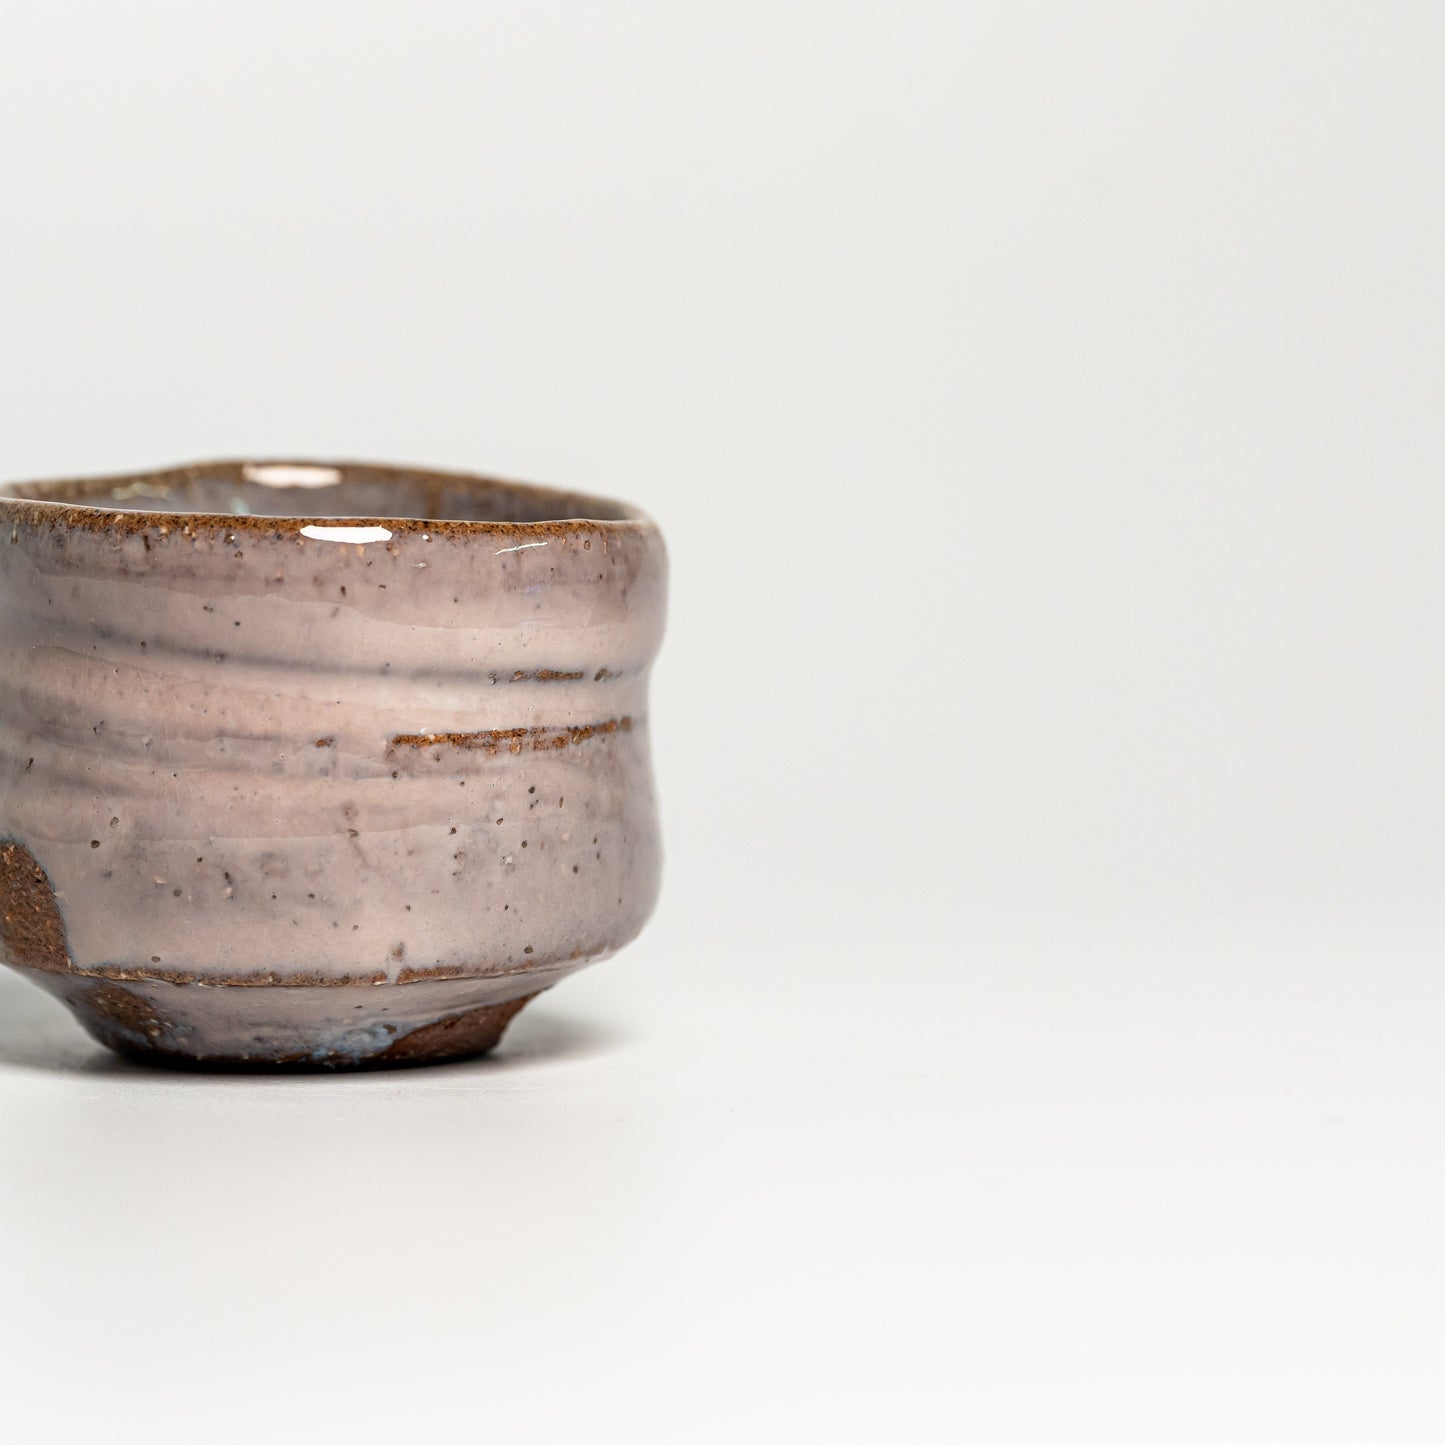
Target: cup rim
66,501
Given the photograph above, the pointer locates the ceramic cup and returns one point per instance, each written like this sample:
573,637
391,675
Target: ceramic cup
320,765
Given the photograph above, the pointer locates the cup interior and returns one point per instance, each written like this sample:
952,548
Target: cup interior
329,489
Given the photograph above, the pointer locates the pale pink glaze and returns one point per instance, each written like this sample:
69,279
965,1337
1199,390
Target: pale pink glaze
303,789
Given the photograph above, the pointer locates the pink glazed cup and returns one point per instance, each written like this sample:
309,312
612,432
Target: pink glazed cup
320,765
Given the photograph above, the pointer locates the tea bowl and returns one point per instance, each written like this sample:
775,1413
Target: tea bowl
320,765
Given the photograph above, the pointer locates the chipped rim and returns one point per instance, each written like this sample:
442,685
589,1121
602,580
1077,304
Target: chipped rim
33,502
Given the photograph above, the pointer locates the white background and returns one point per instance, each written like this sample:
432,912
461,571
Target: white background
1040,1034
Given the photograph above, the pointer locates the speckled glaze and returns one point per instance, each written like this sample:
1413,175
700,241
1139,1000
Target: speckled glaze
320,765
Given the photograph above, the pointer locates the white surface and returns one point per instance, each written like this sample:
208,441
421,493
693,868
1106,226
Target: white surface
1039,1037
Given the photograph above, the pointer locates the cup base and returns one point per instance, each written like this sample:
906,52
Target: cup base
285,1029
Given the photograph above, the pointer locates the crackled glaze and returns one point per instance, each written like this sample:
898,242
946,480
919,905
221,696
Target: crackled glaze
306,759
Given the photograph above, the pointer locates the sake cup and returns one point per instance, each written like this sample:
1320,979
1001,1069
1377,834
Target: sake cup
320,765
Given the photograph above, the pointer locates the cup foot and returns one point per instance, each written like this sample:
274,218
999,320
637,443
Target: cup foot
296,1029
